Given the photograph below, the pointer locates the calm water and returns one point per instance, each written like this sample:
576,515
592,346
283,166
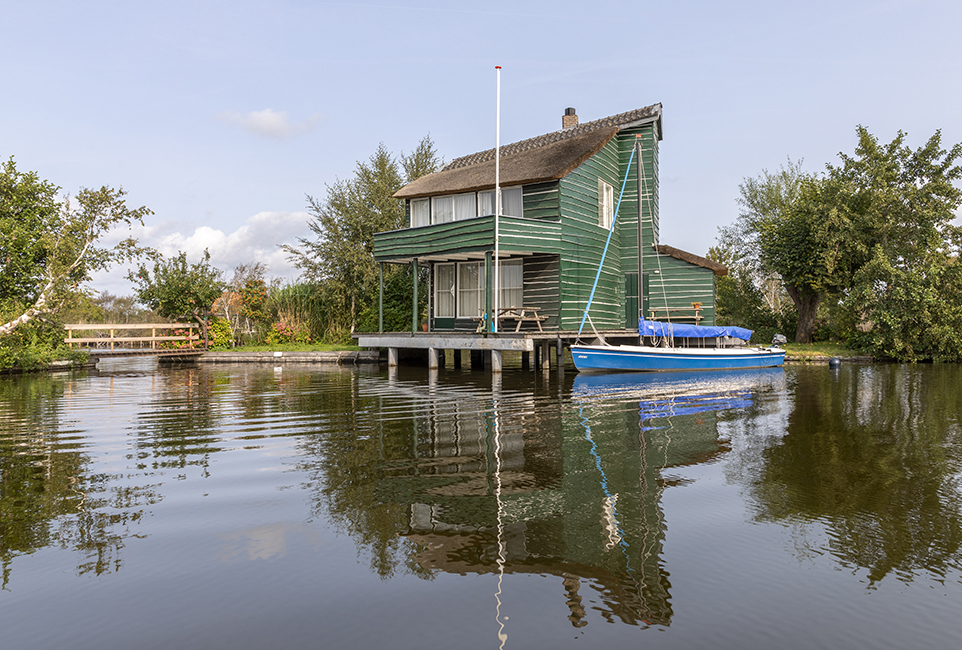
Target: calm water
256,507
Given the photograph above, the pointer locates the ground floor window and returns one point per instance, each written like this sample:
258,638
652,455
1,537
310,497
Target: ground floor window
459,288
444,290
470,289
512,279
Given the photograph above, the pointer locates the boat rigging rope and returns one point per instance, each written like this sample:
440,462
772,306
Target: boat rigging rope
670,337
614,220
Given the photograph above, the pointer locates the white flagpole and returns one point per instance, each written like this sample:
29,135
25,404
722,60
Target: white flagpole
497,207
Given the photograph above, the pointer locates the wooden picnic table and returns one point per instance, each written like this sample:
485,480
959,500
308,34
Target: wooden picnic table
519,314
522,315
694,312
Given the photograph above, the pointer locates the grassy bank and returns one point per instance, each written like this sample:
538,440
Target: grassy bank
296,347
804,351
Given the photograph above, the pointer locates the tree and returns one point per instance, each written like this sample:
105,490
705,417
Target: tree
875,234
243,301
340,258
49,247
910,285
177,289
789,229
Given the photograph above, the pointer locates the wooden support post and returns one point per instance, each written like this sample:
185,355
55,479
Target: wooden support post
496,361
112,340
380,297
545,358
488,301
153,335
392,357
415,321
559,351
433,358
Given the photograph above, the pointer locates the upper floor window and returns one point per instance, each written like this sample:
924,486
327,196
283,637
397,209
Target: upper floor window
455,207
606,204
512,202
420,212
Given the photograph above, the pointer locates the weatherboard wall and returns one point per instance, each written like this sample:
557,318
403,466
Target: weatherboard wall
582,244
675,284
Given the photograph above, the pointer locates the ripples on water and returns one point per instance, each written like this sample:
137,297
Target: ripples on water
305,507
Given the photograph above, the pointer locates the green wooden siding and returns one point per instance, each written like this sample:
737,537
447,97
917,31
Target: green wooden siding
541,286
677,285
541,201
467,236
582,243
628,214
529,235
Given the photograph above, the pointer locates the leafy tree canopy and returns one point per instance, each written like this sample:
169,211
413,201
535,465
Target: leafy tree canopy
902,204
49,247
177,289
874,234
340,257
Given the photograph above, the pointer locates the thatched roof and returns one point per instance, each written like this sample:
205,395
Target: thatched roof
718,269
547,157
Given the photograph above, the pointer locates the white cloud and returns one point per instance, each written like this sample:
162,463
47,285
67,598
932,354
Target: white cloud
256,240
268,122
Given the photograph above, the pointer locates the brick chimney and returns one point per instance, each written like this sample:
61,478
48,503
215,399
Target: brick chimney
569,119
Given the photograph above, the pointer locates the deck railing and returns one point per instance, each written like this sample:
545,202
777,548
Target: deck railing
106,335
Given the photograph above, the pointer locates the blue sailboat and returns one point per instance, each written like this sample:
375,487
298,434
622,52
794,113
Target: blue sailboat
670,356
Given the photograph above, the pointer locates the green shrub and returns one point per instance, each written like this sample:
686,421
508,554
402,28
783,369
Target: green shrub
219,335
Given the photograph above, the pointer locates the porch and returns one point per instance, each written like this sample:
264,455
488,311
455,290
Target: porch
462,268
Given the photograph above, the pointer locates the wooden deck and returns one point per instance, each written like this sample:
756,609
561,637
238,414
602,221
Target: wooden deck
490,344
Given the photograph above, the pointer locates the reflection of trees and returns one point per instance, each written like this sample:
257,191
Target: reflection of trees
874,454
48,496
179,427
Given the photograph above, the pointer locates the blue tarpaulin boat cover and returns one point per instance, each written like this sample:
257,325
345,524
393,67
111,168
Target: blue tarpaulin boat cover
658,328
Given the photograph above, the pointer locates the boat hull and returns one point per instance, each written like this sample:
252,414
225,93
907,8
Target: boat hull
589,358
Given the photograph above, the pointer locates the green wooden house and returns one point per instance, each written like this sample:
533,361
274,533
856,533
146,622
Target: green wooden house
559,194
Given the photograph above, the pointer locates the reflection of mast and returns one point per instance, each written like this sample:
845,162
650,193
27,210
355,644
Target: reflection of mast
502,637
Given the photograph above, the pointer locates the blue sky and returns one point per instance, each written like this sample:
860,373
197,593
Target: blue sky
222,116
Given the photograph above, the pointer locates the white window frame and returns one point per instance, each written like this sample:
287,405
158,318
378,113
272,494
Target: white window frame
426,220
445,291
477,199
462,309
513,295
606,204
472,200
434,208
516,192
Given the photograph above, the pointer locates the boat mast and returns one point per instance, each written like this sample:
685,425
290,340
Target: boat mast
497,206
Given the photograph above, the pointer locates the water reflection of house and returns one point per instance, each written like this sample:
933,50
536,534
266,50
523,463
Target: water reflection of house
565,493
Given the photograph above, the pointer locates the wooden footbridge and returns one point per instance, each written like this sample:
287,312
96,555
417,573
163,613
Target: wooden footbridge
131,339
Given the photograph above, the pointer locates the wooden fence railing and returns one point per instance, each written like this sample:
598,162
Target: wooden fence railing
107,334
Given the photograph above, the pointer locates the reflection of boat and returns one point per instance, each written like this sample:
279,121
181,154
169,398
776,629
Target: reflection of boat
677,393
671,357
